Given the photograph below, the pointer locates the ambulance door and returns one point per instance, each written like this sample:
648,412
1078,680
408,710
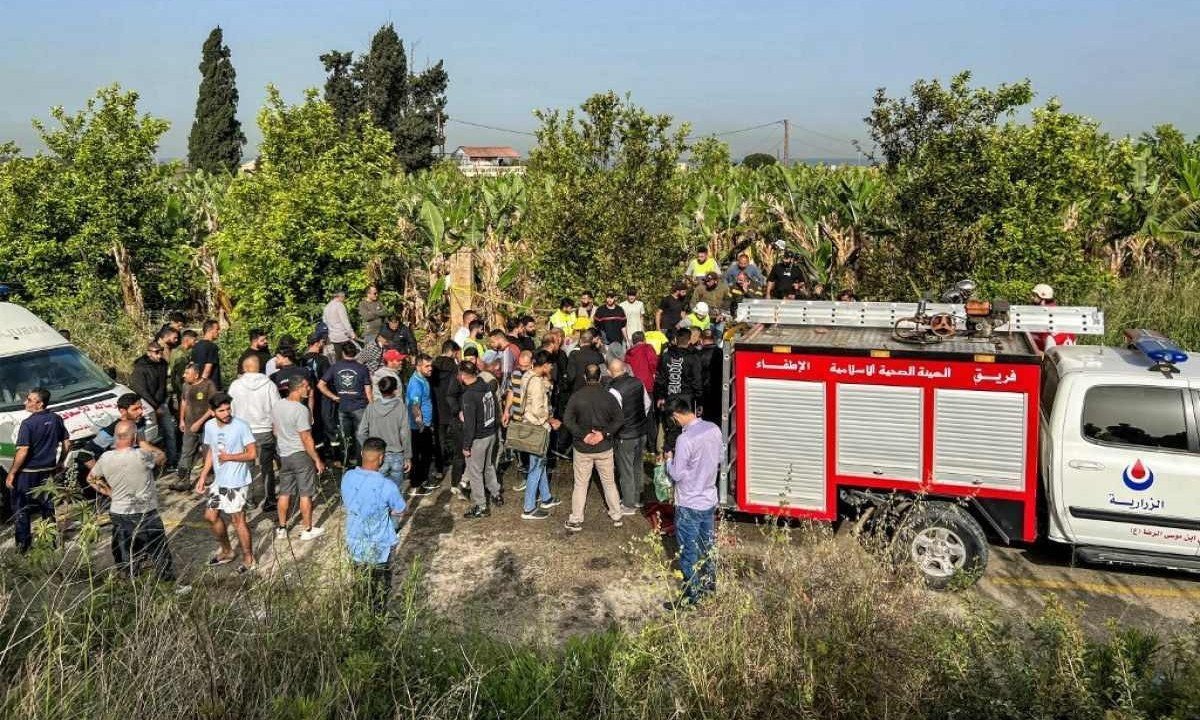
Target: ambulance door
1130,467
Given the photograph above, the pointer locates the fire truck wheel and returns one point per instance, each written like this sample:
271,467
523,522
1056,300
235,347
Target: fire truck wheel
943,542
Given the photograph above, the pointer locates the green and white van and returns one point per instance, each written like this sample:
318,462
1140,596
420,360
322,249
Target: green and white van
34,354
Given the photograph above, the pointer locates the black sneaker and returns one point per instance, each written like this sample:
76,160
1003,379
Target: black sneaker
420,490
498,500
552,502
477,512
535,514
432,485
573,526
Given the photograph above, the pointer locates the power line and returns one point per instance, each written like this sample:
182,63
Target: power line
490,127
735,132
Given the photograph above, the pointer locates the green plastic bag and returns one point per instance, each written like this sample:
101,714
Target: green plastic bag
662,484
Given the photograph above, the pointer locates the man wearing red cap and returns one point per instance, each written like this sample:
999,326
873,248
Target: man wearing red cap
393,362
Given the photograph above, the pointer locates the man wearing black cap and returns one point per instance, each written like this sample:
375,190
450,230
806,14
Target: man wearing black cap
784,277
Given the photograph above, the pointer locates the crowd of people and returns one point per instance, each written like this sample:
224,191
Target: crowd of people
602,386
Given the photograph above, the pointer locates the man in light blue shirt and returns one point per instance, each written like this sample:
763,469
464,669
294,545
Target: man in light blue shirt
231,454
371,501
693,468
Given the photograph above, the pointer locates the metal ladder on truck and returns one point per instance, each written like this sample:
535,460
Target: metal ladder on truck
1079,320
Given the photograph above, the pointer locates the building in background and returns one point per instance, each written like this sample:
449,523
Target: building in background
487,160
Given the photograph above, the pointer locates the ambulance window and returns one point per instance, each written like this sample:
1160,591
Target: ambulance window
1151,417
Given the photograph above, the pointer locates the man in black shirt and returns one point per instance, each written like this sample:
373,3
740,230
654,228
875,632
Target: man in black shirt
258,348
784,277
671,309
445,409
610,319
679,375
149,381
207,355
481,422
324,412
398,336
580,359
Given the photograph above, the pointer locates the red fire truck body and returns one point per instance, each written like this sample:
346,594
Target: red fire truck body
822,409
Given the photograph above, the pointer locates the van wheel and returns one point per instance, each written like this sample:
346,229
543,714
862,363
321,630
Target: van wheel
943,542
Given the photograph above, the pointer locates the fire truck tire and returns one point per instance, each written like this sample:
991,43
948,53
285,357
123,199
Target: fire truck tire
943,542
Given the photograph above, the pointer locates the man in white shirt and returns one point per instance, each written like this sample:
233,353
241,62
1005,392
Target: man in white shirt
463,333
635,315
337,319
254,397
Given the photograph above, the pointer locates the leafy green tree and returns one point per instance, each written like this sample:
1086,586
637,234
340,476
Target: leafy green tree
421,128
604,198
383,77
977,194
89,221
215,143
754,161
318,214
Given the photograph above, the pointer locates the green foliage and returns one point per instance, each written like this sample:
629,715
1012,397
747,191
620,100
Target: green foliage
1012,204
215,143
409,107
318,210
603,198
754,161
89,221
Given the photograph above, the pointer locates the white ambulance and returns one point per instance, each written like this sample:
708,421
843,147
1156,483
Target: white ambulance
34,354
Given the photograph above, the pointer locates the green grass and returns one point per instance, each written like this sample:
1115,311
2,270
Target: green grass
803,629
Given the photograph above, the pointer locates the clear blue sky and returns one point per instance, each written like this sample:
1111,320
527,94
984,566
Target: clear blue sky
719,65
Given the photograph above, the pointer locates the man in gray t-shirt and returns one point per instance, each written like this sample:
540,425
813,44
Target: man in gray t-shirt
299,463
126,475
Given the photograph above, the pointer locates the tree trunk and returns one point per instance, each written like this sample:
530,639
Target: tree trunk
131,292
462,284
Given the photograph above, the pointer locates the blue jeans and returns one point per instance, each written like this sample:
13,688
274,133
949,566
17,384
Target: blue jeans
537,485
393,469
695,533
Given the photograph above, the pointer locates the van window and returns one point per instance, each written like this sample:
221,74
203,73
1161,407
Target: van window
1152,417
67,373
1049,387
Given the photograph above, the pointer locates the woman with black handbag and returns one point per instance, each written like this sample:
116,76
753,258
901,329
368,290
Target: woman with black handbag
532,435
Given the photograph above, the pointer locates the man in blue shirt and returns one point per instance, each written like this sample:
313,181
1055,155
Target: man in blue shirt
693,468
42,447
371,501
419,398
231,454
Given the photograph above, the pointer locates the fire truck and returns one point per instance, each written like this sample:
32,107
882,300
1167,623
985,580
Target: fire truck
946,419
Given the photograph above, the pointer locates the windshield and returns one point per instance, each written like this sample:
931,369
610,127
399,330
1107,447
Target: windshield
64,371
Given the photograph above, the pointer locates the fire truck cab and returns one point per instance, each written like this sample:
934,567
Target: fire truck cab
961,433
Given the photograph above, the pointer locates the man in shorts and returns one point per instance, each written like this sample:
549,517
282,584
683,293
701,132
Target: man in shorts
231,454
300,465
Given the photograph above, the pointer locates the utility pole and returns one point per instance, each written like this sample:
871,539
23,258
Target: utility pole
787,139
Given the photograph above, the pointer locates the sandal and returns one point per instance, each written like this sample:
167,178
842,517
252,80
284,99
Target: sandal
216,560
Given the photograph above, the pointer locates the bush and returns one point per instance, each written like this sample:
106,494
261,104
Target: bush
806,628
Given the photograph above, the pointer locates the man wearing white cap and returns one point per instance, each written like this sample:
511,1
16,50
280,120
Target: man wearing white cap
1043,295
698,318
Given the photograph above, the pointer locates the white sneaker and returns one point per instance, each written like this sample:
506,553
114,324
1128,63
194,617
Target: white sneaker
280,533
312,533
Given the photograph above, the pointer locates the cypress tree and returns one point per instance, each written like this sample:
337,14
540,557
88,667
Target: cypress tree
215,143
341,92
383,76
409,107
